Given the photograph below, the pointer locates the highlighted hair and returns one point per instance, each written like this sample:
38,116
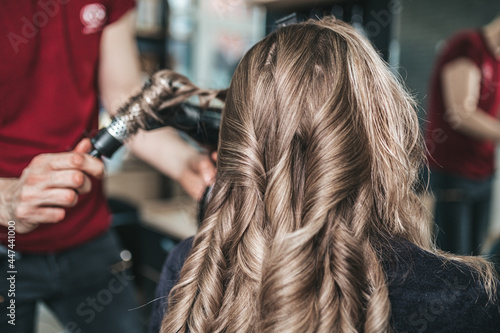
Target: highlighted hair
318,156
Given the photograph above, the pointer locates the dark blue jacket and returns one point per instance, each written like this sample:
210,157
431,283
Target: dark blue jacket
426,294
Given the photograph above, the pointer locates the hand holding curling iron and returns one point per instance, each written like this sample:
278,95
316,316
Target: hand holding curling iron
48,185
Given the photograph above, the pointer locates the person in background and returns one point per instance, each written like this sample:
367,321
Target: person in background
313,224
462,131
58,58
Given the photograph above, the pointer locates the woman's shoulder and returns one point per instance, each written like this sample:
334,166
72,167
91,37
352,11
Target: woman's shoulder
177,256
169,276
431,294
173,265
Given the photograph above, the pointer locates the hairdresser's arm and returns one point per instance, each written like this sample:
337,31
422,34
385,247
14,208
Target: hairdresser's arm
461,81
48,185
119,76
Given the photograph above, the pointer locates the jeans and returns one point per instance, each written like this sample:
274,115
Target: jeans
462,212
88,289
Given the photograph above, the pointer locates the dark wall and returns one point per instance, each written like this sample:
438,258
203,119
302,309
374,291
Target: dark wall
373,18
425,25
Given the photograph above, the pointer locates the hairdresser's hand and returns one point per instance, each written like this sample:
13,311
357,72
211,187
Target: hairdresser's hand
48,185
197,175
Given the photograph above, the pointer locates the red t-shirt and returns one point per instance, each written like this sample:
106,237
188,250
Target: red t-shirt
48,87
451,151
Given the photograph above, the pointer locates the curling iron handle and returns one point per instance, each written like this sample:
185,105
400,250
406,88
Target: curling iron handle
104,144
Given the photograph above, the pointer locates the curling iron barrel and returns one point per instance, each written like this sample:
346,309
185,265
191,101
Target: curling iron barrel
158,104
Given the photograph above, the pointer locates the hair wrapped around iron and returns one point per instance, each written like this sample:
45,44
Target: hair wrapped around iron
162,102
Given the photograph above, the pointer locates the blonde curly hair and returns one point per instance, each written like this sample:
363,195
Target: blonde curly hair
319,152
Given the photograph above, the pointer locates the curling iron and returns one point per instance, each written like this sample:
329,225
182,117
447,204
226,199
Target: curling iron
161,103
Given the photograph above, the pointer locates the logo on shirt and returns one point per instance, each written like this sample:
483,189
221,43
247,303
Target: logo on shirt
93,17
487,71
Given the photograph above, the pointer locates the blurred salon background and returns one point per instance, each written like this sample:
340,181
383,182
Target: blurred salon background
204,40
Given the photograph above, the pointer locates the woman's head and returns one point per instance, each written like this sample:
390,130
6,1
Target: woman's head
319,151
314,113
